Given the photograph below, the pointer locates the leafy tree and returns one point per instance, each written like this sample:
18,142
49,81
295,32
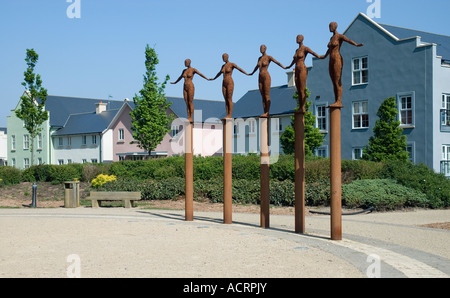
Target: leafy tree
32,103
313,137
387,143
149,120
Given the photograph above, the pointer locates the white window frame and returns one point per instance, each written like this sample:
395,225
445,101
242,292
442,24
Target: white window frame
445,153
402,109
321,117
83,140
60,162
13,162
360,114
446,107
122,134
357,155
13,142
94,139
276,124
69,141
26,142
26,163
411,152
39,141
252,126
323,149
358,70
60,141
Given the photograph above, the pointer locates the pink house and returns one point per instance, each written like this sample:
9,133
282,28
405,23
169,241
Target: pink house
207,131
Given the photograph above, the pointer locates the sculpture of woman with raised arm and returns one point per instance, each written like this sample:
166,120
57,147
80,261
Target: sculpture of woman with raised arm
228,84
189,89
264,78
336,61
301,72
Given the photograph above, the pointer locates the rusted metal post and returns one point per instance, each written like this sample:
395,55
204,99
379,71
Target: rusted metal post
335,172
299,118
264,171
227,170
189,172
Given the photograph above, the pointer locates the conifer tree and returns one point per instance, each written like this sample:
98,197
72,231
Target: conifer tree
387,143
313,137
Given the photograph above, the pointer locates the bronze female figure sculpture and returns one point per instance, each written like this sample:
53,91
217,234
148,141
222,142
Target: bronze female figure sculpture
264,78
189,89
301,71
228,84
336,61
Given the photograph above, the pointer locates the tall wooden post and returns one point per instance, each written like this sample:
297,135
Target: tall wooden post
189,172
335,172
264,171
299,118
227,170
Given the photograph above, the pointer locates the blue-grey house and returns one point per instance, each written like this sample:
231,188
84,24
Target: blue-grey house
410,65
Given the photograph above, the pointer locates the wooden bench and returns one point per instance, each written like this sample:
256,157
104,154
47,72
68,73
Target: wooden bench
128,198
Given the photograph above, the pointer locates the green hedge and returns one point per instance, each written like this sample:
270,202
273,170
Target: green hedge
164,179
383,194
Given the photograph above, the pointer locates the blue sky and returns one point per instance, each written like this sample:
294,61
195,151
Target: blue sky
101,54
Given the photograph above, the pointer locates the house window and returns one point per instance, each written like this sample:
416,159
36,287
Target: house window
26,163
357,153
322,152
84,160
61,141
13,162
360,114
69,161
406,107
175,131
26,142
236,129
252,126
445,162
83,140
94,140
321,116
13,142
60,161
94,160
121,135
39,141
410,150
445,110
276,124
360,71
69,141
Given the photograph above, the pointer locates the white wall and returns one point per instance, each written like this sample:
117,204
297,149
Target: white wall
76,151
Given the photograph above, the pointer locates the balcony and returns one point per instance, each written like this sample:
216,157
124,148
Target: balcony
445,120
445,168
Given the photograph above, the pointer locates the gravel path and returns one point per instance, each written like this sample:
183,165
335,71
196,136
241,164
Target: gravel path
118,242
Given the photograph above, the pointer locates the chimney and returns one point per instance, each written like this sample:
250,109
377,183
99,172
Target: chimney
100,107
291,78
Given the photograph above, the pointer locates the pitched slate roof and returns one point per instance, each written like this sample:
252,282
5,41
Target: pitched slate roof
209,108
87,123
61,107
442,41
250,105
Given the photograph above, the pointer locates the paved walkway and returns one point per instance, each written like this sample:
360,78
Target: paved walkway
119,242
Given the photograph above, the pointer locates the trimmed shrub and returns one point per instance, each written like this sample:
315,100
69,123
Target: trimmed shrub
10,175
383,194
435,186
